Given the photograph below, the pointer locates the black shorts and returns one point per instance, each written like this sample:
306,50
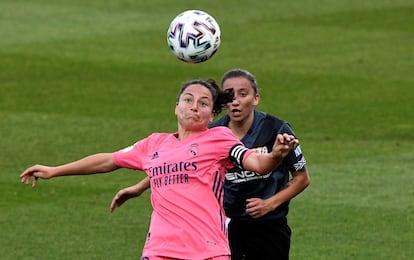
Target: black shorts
259,240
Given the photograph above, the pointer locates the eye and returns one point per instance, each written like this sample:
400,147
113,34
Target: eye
204,104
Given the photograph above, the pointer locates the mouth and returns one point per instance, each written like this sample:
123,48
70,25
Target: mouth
235,111
194,117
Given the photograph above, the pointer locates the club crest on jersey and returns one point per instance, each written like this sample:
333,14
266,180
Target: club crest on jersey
193,150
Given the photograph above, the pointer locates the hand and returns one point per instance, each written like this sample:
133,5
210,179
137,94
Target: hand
257,207
283,144
122,196
36,171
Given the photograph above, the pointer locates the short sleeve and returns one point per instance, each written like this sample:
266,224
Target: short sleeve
131,157
295,159
238,153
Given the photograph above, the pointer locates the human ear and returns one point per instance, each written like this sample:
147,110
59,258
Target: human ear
176,107
256,100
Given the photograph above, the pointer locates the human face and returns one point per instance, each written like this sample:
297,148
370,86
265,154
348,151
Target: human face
245,98
194,109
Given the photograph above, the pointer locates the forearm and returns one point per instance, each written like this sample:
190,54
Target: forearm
141,186
265,163
129,192
268,162
97,163
295,186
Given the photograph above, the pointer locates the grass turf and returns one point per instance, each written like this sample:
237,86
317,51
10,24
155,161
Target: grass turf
79,77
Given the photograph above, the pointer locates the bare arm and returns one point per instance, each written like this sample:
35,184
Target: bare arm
129,192
257,207
265,163
97,163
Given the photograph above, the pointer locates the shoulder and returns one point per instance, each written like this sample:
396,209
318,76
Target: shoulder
273,119
269,122
156,139
220,134
220,130
222,121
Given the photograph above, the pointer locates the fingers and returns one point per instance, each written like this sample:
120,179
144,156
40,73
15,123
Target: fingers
26,176
251,204
112,207
257,207
34,183
29,171
113,203
24,179
253,209
36,171
251,200
116,202
287,139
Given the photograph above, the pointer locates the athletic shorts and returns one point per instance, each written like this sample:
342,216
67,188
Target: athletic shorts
259,239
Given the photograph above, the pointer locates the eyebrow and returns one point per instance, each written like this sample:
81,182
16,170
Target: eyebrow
241,89
187,93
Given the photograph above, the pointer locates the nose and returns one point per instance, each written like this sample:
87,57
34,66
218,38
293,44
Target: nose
194,106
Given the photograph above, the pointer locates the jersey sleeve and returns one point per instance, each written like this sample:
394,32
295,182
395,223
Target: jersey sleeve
295,159
238,153
228,147
131,157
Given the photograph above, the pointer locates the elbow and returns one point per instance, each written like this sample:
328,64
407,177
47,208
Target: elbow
302,178
108,166
306,180
263,170
306,183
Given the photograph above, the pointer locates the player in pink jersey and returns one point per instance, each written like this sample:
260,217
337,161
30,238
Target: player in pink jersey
186,171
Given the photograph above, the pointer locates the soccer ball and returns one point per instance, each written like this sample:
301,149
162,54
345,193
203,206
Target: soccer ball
193,36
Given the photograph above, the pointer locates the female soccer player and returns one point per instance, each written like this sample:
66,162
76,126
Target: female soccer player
257,205
186,171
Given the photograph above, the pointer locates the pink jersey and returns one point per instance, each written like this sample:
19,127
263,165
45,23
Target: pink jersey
187,177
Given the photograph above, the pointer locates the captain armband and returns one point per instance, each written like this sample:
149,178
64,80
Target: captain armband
237,153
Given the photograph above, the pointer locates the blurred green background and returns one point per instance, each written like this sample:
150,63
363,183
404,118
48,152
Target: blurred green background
81,77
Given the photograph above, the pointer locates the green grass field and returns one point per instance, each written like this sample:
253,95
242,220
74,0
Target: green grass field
80,77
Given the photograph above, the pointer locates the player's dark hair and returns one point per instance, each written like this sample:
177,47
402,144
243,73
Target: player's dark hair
220,97
237,73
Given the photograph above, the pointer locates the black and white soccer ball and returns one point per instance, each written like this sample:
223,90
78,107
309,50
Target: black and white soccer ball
194,36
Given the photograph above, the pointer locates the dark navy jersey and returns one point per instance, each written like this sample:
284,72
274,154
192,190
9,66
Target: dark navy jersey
241,184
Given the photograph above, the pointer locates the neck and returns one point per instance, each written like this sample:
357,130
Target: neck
240,128
184,134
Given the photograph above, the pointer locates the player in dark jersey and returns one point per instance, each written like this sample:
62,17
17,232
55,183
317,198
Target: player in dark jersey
257,205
